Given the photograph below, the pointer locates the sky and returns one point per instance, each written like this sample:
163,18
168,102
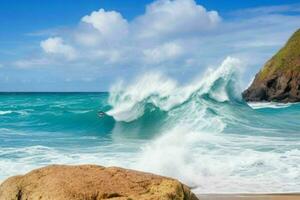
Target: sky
88,45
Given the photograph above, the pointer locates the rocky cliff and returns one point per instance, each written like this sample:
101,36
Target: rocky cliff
90,182
279,79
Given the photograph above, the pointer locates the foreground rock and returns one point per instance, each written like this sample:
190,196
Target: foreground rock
89,182
279,80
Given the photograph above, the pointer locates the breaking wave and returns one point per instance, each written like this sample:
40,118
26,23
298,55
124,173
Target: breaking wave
208,137
130,101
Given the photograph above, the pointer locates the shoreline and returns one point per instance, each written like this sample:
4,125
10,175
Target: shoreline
275,196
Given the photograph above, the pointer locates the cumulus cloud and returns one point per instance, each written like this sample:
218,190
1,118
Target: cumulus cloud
165,18
87,36
103,28
56,45
167,51
110,24
108,37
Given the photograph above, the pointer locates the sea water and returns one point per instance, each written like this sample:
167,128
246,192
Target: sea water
202,133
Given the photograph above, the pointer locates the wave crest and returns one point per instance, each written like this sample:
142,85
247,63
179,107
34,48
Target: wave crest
129,101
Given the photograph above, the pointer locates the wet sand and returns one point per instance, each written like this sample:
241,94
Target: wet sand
250,197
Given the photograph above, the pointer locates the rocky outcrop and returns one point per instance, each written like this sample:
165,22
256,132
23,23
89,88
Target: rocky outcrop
279,80
90,182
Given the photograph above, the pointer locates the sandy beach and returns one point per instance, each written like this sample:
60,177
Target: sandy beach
249,197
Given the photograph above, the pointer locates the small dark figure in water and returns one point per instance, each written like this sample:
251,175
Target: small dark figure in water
101,114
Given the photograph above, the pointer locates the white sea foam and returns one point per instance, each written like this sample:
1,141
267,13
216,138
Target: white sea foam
5,112
260,105
210,162
20,160
81,111
129,101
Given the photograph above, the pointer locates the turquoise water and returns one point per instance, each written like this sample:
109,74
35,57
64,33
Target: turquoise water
200,133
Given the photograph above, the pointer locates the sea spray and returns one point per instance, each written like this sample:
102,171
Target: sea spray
128,101
189,119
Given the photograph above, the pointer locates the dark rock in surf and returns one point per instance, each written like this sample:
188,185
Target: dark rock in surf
279,79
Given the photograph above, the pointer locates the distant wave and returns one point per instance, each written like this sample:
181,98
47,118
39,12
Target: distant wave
81,111
7,112
261,105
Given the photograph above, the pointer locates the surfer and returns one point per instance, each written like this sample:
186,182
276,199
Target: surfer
101,114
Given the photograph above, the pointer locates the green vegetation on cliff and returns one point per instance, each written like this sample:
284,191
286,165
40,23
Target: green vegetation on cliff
288,58
279,79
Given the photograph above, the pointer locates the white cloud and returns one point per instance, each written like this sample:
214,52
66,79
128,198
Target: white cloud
108,56
109,38
165,52
175,17
269,10
87,36
110,24
56,45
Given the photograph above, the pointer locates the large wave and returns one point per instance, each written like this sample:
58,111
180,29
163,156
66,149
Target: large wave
194,115
206,135
129,101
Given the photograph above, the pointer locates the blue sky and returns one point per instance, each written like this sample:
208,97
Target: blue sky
67,45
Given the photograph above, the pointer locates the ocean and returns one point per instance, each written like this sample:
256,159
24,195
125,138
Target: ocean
202,133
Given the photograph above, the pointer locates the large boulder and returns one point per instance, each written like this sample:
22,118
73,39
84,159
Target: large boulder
90,182
279,79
